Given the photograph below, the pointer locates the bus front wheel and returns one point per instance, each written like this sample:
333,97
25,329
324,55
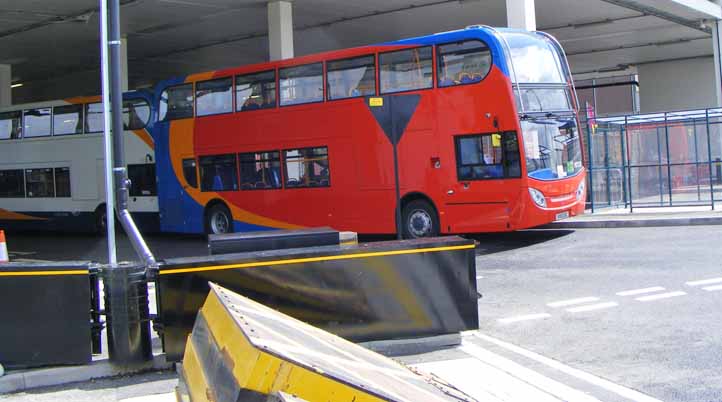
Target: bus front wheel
219,220
419,220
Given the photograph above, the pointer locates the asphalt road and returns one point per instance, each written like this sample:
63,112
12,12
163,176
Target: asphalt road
639,306
593,299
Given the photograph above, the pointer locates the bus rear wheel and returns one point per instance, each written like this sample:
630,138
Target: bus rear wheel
219,220
419,219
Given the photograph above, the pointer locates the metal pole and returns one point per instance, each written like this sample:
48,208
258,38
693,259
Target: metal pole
669,159
659,166
629,167
107,140
119,169
126,292
696,160
606,166
623,156
709,158
590,150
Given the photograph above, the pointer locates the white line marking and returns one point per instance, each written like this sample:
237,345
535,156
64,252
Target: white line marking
571,302
704,282
510,368
527,317
660,296
641,291
712,288
591,307
479,277
584,376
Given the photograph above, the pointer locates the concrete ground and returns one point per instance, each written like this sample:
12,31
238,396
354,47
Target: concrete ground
600,310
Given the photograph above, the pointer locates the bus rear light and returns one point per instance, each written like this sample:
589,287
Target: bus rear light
538,197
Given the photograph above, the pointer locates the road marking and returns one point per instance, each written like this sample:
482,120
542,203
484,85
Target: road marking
479,277
704,282
527,317
571,302
591,307
712,288
584,376
660,296
544,386
641,291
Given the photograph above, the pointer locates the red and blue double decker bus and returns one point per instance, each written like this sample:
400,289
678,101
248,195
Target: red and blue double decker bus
482,123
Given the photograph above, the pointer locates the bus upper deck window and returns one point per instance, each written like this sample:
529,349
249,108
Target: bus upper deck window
136,113
10,125
176,102
256,91
406,70
68,119
351,78
214,97
94,122
302,84
461,63
37,122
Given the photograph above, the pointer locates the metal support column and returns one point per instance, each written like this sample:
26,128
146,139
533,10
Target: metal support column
709,157
629,167
591,162
669,159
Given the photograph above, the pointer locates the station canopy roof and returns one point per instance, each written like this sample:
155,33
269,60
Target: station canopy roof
53,42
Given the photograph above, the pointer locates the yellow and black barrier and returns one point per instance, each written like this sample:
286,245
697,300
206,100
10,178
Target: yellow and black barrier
240,350
49,314
362,292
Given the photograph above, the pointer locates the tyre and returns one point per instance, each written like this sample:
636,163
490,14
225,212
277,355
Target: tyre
219,220
419,219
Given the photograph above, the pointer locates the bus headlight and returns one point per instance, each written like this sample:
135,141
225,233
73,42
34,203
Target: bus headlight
581,189
538,197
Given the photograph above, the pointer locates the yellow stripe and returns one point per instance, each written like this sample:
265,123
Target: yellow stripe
315,259
42,273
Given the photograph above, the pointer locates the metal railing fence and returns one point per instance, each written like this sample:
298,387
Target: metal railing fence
654,160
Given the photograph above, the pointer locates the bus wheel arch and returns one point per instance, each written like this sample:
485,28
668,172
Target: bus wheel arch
217,218
419,216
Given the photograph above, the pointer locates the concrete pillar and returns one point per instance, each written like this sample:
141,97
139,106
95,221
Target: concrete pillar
6,81
280,30
717,42
124,63
520,14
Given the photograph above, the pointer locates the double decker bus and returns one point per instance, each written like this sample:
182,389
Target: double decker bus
484,122
52,164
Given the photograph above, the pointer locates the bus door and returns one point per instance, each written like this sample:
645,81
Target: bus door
482,194
176,205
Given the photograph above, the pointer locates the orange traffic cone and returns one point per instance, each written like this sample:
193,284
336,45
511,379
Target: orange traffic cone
3,248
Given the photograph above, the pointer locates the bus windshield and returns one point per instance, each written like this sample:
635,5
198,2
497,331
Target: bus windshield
551,146
534,59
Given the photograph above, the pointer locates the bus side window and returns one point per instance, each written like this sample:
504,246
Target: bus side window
351,78
406,70
68,119
10,125
94,122
307,167
176,102
62,182
37,122
260,170
214,97
218,173
464,62
142,180
256,91
39,183
12,184
301,84
136,113
189,172
487,156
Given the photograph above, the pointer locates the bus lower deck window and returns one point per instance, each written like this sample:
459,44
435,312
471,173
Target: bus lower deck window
39,183
12,184
260,170
307,167
218,173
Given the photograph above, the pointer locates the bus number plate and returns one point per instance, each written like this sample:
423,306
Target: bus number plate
562,215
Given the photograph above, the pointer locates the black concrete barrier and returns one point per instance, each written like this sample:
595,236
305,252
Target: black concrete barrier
271,240
367,292
46,314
